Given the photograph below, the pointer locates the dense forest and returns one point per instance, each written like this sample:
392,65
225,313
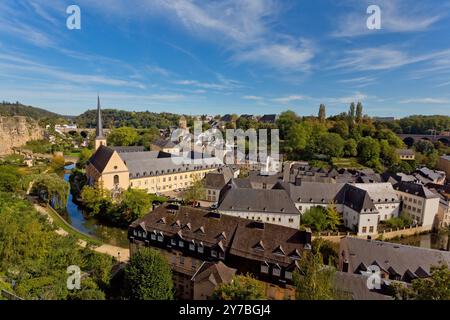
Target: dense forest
120,118
420,124
8,109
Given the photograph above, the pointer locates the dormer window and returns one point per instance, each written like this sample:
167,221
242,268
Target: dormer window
160,237
222,236
214,253
153,235
181,244
265,268
288,275
173,242
192,245
276,271
200,248
279,251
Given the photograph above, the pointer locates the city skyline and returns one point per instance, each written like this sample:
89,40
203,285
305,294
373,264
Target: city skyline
254,57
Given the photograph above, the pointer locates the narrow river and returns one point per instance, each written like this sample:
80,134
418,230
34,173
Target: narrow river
74,215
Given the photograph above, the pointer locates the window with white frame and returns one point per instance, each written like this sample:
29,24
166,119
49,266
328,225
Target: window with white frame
181,244
276,271
214,253
200,248
153,236
173,242
191,246
288,275
160,237
264,268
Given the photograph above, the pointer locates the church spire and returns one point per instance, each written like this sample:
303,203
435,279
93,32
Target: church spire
100,139
99,130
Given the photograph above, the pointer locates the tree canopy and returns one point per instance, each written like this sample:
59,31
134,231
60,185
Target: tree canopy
148,276
241,287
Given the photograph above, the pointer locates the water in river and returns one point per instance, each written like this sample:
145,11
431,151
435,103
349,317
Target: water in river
430,241
74,215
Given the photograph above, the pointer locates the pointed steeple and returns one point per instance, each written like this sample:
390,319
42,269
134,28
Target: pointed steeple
99,130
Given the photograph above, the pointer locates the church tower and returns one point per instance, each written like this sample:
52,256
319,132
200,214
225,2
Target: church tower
100,139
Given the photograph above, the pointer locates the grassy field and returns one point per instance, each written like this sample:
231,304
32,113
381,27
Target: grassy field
349,163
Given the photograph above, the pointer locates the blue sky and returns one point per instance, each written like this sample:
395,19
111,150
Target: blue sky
230,56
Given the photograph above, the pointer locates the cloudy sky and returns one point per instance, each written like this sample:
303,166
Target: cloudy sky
241,56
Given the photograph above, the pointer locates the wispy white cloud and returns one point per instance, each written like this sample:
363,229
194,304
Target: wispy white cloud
254,98
289,99
19,65
426,101
382,58
396,16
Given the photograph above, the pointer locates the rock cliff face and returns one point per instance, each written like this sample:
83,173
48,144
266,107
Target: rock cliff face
16,131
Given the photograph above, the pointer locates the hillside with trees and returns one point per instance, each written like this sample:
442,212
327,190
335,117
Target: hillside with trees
8,109
119,118
355,138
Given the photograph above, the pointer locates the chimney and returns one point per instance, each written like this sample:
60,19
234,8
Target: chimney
308,236
345,266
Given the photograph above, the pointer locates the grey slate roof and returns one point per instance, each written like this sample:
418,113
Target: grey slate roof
241,234
129,149
216,273
101,158
164,143
314,192
397,258
359,200
355,286
415,189
268,118
217,180
257,200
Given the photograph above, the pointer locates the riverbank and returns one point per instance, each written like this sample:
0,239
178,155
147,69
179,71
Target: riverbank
65,229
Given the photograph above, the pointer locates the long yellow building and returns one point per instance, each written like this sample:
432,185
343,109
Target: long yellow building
118,168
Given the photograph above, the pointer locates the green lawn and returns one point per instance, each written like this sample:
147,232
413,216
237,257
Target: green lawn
349,163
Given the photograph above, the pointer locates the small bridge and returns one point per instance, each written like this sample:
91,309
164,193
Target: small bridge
84,132
410,139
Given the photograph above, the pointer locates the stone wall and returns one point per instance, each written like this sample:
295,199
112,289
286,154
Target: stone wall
16,131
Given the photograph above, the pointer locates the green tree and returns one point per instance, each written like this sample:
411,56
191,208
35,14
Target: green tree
333,217
340,127
436,287
51,188
351,113
94,199
135,204
241,287
388,153
350,148
123,136
322,113
359,112
85,155
148,276
331,144
315,218
195,192
369,150
314,280
286,122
